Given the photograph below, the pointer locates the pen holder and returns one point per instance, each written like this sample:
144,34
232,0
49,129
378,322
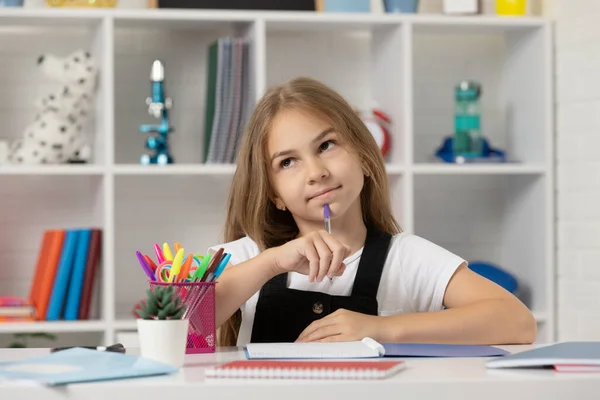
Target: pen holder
199,299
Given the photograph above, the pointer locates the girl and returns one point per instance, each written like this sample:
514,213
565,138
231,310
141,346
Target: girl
305,148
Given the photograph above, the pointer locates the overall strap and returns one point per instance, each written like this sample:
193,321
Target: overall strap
372,261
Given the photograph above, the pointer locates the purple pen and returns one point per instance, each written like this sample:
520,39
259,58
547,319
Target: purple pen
145,266
327,219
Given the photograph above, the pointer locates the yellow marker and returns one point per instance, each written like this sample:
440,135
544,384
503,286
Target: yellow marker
176,266
167,252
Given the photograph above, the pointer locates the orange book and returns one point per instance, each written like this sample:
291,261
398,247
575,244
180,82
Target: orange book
36,280
47,273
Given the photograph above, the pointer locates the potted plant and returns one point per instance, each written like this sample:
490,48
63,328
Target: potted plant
161,329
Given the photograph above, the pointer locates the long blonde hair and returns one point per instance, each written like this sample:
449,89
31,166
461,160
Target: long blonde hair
251,211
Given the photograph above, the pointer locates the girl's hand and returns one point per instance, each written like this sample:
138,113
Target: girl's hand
342,326
317,255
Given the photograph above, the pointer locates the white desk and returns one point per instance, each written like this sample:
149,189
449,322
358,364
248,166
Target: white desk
430,378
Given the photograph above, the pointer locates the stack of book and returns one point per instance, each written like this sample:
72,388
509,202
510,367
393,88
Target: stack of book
228,98
63,281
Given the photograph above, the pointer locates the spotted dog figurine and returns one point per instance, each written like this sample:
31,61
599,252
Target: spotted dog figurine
57,135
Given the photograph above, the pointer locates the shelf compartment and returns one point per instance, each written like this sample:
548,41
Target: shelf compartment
138,42
32,204
514,120
22,42
491,218
149,209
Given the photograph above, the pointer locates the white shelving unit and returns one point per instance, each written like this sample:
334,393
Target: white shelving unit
407,64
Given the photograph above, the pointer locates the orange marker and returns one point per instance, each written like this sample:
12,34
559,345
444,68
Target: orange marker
177,246
185,268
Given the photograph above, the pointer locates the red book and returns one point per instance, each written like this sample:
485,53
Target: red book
94,253
292,369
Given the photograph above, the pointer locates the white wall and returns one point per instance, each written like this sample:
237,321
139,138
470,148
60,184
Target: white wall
578,169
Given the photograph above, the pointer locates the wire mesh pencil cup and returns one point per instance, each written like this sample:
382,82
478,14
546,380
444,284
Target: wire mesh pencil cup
199,299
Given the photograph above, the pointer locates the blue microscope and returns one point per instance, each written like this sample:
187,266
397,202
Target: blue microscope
158,106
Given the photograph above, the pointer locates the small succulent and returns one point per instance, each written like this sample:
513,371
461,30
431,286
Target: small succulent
162,304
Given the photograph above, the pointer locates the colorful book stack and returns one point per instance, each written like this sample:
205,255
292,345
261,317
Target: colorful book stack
16,309
228,98
63,282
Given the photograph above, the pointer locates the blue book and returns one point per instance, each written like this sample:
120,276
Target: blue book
63,276
76,281
566,353
441,350
79,365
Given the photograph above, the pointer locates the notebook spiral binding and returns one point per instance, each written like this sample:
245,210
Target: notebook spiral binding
306,370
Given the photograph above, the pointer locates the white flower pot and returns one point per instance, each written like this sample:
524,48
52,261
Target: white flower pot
163,340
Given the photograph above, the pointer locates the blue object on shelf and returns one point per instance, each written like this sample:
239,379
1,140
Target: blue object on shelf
348,5
496,275
401,6
446,153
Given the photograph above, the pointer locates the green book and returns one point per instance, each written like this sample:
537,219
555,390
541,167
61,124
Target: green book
211,87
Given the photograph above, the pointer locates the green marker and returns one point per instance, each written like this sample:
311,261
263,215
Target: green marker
201,268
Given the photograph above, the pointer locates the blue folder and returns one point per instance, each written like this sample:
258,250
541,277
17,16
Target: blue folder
441,350
79,365
566,353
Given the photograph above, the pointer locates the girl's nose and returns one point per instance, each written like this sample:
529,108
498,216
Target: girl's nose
317,171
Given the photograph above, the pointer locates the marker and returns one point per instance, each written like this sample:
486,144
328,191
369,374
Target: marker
150,262
185,268
159,254
167,252
221,267
176,267
176,246
199,274
216,259
145,267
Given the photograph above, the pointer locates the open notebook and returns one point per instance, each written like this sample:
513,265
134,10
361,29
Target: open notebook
366,348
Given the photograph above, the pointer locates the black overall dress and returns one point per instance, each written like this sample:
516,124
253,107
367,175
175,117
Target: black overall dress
282,313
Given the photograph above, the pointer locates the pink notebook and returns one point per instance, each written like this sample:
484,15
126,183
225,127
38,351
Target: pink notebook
291,369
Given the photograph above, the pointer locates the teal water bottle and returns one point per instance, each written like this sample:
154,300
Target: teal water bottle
467,120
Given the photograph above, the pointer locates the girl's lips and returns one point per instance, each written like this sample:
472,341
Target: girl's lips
325,194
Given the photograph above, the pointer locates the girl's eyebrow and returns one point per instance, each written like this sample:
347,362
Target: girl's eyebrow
317,138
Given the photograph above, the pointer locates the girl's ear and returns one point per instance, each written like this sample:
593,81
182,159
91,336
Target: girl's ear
278,203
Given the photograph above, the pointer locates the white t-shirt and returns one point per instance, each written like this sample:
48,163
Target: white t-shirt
414,277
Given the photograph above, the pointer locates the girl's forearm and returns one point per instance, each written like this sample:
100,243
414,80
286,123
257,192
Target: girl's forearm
239,282
488,322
